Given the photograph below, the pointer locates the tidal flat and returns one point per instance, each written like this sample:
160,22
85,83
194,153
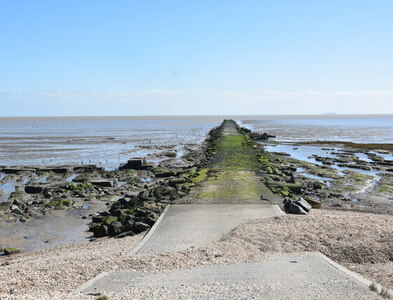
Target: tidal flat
46,211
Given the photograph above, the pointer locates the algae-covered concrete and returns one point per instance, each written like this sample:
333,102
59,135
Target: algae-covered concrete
231,173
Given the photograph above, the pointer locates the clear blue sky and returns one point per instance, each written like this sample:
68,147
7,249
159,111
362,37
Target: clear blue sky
195,57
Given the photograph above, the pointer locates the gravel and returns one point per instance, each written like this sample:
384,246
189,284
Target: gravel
361,241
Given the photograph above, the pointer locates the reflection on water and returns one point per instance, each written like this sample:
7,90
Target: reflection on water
302,152
72,177
106,141
305,153
325,180
366,129
7,188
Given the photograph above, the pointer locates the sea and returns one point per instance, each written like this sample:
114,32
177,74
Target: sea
110,141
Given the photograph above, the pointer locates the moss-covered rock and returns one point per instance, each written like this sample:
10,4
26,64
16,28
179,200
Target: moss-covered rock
10,251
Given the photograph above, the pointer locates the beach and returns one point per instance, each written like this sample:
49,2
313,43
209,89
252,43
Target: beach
67,211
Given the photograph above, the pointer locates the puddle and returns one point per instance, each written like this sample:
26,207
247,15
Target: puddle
145,179
42,179
121,183
7,188
71,178
390,200
386,156
325,180
305,153
2,175
363,157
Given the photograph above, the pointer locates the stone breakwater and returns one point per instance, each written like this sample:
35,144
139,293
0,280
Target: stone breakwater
130,199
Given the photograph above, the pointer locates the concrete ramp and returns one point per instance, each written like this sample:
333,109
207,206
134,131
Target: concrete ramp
290,276
197,225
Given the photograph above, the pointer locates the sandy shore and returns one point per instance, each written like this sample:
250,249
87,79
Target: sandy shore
361,241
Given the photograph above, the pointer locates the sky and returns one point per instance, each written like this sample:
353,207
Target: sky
93,57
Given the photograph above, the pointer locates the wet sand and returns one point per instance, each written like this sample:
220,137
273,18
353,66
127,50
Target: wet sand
57,228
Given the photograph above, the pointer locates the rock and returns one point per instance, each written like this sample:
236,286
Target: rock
169,154
304,204
261,136
16,210
10,251
149,220
140,227
34,189
293,208
16,170
124,234
136,163
297,209
100,231
115,228
314,203
58,170
165,191
103,182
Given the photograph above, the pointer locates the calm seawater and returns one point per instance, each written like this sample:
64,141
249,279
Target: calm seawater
105,141
109,141
361,129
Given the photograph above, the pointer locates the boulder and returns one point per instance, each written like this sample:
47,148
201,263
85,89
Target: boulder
16,170
124,234
103,182
169,154
100,231
293,208
304,204
297,209
115,228
10,251
149,221
140,227
58,170
136,163
34,189
16,210
314,203
165,192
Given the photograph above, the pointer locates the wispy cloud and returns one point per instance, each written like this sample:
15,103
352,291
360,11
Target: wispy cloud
158,101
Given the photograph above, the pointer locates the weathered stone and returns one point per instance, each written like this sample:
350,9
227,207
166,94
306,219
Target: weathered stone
165,191
297,209
140,227
149,221
293,208
115,228
16,170
10,251
16,210
314,203
304,204
100,231
103,182
58,170
136,163
124,234
34,189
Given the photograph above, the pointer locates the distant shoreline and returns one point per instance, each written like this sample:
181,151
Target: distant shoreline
212,117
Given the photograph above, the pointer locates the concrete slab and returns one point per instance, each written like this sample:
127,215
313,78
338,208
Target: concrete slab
285,276
197,225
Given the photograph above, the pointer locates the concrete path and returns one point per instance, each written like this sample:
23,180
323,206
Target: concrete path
221,204
196,225
295,276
